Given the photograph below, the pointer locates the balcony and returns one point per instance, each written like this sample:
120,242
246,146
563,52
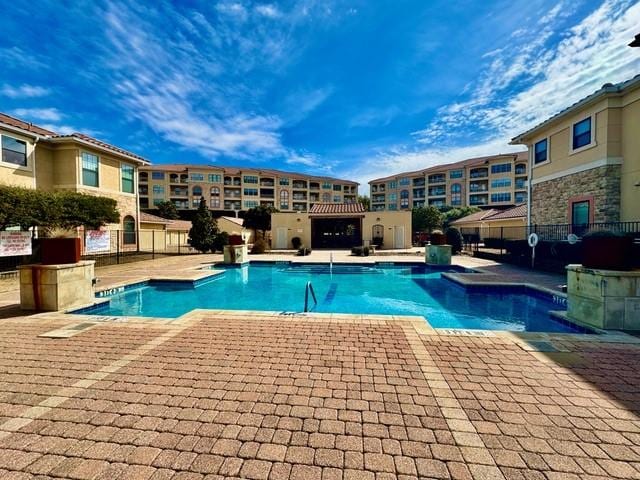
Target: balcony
143,189
300,185
267,182
184,204
314,197
235,181
231,205
314,186
479,173
299,197
437,179
378,198
478,187
232,194
178,192
478,200
437,192
419,182
521,169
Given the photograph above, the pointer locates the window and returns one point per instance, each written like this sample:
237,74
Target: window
157,175
540,151
521,183
393,197
215,191
456,194
215,178
521,197
500,183
501,197
250,179
196,191
197,177
143,189
14,151
127,178
437,202
393,206
250,203
195,203
215,203
326,185
501,168
89,169
404,199
129,233
392,185
582,133
437,178
326,198
336,199
253,192
456,173
405,181
284,181
144,202
157,201
521,169
143,176
580,213
284,199
158,190
337,188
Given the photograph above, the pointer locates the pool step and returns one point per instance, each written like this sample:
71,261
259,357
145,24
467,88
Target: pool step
336,270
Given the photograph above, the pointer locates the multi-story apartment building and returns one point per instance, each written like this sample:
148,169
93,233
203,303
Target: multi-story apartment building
38,158
494,181
233,188
586,159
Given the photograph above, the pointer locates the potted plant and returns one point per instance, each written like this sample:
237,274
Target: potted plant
60,246
437,238
296,242
607,250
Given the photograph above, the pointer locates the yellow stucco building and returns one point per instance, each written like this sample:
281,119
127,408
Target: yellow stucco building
34,157
585,161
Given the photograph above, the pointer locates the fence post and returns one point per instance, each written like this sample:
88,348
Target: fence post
178,242
117,247
153,244
501,241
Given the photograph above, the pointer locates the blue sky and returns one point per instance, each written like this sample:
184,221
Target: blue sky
356,89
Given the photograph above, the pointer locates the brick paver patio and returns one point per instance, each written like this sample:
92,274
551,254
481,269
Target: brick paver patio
274,397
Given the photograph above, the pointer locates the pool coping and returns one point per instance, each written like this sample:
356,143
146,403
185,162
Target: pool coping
206,272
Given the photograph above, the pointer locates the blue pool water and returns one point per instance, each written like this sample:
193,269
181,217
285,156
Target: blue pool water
389,289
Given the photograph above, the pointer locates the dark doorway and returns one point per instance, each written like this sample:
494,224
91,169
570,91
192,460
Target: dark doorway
336,232
377,235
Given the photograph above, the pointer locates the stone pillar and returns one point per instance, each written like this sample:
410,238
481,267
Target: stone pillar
236,254
56,287
437,254
606,299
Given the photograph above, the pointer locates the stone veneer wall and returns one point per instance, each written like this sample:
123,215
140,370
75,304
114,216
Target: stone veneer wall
550,199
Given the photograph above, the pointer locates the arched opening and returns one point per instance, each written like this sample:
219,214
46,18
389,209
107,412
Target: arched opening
377,235
129,230
197,191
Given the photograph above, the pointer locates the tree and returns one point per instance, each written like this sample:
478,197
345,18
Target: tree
458,212
259,218
425,219
204,230
167,209
366,201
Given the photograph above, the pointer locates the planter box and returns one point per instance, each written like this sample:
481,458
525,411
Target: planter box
56,287
606,299
236,254
60,251
437,254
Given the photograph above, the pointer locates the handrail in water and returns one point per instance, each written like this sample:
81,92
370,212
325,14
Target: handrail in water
309,288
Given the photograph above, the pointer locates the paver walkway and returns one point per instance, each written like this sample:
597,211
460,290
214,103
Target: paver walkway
276,397
306,398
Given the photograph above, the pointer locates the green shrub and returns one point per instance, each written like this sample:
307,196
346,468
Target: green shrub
220,241
259,246
296,242
454,238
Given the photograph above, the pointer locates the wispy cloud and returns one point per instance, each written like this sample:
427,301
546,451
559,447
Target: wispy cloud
536,77
23,91
268,10
45,114
298,105
375,117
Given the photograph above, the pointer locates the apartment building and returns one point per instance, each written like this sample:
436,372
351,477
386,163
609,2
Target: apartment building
493,181
586,159
232,188
34,157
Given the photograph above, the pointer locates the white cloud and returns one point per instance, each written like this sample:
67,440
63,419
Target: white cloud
233,9
23,91
269,11
46,114
298,105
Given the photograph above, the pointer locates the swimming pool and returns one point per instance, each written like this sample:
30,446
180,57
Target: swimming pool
374,289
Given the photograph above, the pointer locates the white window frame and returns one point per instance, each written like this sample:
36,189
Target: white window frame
26,168
98,176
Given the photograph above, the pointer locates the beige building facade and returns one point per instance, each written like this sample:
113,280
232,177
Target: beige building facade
586,160
37,158
341,226
493,181
227,188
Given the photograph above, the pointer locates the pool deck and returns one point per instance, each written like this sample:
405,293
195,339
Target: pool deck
313,397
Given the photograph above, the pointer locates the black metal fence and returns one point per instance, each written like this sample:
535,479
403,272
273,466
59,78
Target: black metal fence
116,247
558,246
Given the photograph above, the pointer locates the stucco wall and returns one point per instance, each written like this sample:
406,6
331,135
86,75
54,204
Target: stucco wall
295,224
630,174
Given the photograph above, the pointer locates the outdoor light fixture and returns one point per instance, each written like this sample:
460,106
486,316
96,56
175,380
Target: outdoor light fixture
636,41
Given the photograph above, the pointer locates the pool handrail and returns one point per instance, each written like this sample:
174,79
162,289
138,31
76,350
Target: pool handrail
309,287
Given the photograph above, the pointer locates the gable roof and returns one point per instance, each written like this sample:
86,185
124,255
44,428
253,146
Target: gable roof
149,218
607,90
518,211
52,137
476,216
336,209
237,221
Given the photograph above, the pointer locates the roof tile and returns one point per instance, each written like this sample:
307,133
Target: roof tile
336,209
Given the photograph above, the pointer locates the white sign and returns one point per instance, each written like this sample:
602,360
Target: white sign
572,238
97,241
15,243
533,239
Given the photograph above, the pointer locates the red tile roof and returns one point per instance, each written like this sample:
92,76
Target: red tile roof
519,211
320,209
22,125
477,216
148,218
